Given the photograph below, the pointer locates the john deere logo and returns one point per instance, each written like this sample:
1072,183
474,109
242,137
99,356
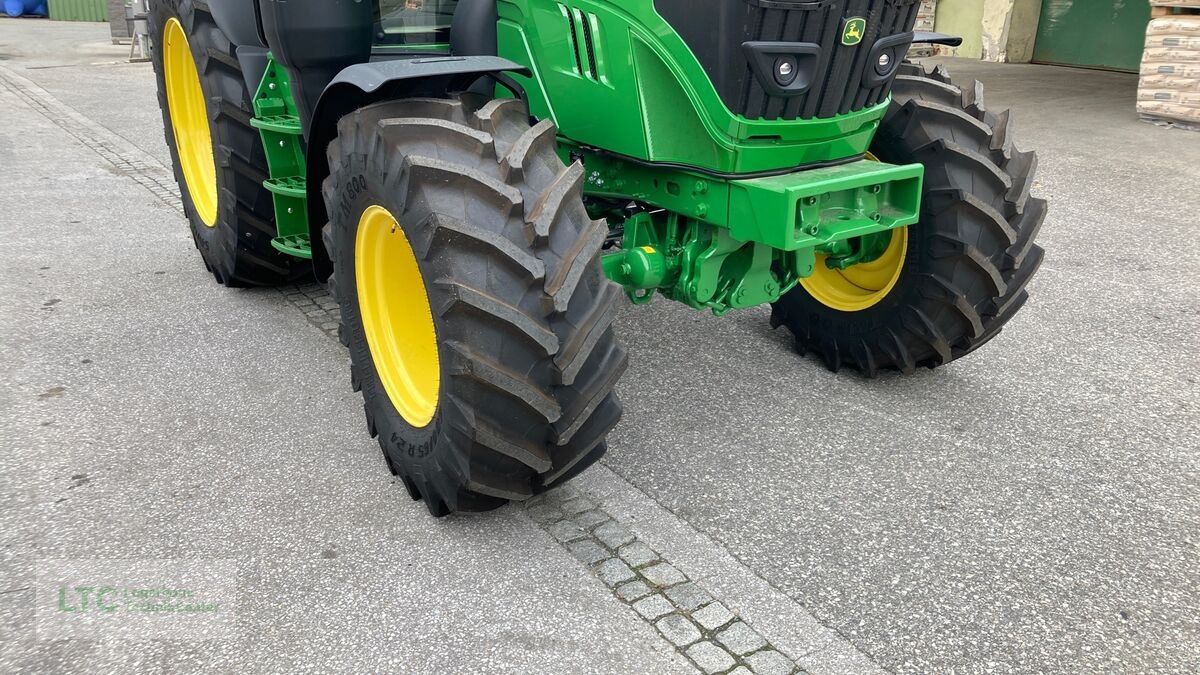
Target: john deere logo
852,31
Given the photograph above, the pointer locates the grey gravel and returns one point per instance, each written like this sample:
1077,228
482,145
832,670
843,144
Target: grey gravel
710,658
614,571
637,554
713,615
770,662
688,596
633,590
544,513
588,551
589,519
576,506
740,638
678,629
653,606
565,530
613,535
663,574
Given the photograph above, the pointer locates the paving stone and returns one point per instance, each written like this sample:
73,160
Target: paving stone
678,629
633,590
565,530
770,662
741,670
545,514
559,495
576,506
614,571
589,519
709,657
663,574
613,535
741,639
637,554
653,606
688,596
587,551
713,615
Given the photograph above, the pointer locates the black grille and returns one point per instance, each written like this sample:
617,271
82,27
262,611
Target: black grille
715,30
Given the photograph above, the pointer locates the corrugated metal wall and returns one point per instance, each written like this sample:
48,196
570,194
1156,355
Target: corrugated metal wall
1093,33
78,10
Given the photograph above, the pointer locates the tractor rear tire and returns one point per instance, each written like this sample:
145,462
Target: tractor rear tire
514,393
967,261
233,222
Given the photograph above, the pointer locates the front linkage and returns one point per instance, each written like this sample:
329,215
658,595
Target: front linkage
728,244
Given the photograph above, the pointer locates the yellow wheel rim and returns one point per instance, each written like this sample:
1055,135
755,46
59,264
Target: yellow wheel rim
396,318
189,122
859,286
863,285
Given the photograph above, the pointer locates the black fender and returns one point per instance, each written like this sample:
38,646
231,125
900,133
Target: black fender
241,22
365,83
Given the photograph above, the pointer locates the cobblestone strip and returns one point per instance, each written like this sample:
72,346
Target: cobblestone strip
316,304
714,638
311,299
129,159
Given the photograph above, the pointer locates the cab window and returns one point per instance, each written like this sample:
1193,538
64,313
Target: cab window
413,22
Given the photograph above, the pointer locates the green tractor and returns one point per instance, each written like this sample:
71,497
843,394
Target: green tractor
480,181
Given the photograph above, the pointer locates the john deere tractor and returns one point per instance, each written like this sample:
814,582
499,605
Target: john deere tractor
479,182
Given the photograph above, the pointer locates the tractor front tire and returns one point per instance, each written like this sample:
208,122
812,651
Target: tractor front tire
961,271
478,320
217,156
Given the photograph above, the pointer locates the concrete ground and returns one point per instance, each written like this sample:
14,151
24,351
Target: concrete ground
1034,507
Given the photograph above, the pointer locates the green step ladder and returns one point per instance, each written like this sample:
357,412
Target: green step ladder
278,124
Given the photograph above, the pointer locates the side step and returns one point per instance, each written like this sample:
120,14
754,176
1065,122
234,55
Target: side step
287,186
296,245
279,127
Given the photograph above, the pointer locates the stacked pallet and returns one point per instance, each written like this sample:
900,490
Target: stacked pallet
1169,89
925,16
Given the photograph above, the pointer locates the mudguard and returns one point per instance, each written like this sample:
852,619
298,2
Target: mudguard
365,83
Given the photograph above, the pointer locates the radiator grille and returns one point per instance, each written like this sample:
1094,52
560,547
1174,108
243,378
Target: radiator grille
838,86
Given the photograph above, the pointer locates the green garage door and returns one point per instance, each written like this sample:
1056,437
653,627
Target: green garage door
1092,33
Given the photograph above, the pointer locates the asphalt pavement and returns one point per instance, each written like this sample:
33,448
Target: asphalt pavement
1032,507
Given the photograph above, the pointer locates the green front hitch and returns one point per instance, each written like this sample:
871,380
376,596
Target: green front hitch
742,243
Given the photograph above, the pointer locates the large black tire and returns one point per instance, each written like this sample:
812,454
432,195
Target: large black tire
237,248
970,256
521,309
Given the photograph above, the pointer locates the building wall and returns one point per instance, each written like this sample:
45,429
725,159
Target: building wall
965,19
993,30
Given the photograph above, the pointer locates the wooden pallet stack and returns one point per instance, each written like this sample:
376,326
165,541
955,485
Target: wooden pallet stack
1169,89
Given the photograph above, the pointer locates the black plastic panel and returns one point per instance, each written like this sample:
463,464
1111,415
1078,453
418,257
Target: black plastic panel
842,80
